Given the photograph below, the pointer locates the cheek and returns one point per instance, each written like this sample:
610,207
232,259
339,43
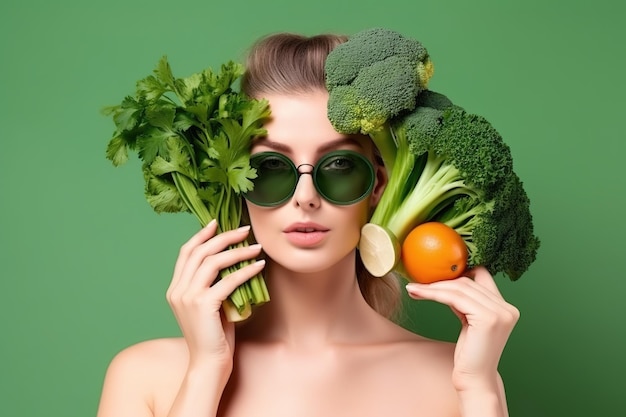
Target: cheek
257,219
351,219
361,209
364,213
266,227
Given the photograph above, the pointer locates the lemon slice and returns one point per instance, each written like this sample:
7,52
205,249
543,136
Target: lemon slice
379,248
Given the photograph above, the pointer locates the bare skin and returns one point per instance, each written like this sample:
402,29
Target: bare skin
317,349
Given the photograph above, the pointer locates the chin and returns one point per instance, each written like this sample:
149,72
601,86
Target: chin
312,261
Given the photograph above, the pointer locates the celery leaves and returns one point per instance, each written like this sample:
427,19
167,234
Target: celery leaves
193,136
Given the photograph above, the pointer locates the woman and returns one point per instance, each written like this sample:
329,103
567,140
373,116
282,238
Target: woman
324,345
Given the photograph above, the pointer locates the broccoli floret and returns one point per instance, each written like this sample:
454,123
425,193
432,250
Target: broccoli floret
444,163
510,227
375,76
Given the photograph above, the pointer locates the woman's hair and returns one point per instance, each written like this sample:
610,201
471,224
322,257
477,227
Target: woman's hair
287,63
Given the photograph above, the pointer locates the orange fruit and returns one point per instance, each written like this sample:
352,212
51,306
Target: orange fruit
433,252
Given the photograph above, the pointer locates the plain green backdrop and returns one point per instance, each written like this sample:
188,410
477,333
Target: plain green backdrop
85,263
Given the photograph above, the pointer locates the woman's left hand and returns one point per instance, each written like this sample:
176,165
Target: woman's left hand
487,321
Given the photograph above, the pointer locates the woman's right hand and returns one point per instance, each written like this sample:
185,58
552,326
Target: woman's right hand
196,296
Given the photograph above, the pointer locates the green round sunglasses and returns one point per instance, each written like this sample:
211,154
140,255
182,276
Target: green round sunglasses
341,177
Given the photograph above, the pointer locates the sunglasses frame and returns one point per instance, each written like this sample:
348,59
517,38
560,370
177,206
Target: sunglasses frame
313,174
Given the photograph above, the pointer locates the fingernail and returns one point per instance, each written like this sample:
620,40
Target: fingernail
256,246
412,289
244,228
260,262
211,223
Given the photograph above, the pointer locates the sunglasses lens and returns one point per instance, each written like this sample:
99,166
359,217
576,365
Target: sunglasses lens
275,181
344,177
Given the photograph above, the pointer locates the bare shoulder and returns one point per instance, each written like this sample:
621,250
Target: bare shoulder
154,348
147,364
150,356
136,375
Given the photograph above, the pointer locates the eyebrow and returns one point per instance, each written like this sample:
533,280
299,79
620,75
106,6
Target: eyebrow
280,147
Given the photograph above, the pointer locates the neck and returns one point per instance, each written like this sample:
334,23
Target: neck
311,309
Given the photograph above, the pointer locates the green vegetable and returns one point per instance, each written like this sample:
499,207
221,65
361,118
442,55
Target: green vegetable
444,164
193,137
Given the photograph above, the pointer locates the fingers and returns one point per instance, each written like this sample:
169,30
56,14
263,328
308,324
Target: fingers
481,275
202,258
202,236
204,275
210,299
478,275
462,294
478,297
204,244
224,287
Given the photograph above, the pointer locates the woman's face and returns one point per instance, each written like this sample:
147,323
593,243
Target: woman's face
307,233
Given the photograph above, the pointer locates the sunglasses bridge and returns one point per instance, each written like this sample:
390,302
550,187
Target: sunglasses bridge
307,172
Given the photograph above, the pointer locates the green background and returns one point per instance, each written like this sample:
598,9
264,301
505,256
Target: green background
85,262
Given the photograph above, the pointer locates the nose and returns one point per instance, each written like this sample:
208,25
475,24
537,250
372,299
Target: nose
306,195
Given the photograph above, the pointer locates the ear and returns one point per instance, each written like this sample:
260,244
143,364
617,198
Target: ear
380,183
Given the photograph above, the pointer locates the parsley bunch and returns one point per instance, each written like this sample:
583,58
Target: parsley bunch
193,136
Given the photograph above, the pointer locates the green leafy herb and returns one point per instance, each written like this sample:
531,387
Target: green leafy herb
193,137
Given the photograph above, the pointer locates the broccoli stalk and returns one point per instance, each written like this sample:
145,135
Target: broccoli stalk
443,163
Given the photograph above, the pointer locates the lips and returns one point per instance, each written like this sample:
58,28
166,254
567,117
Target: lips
305,228
306,235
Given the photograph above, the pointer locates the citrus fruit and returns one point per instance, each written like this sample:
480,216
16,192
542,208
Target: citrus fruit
379,249
433,252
